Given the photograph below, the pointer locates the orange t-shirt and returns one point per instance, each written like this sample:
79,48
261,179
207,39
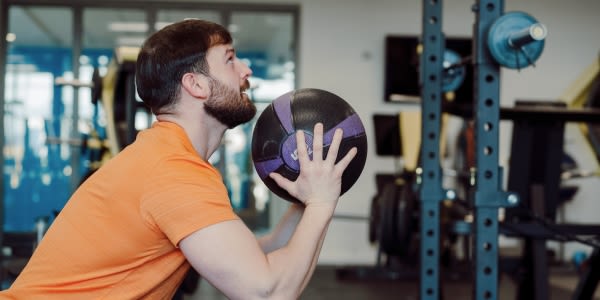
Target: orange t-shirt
117,236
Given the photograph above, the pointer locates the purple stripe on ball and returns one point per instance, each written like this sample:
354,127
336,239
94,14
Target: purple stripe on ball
352,126
283,111
264,168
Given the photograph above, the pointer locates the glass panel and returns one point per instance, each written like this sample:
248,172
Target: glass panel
36,151
166,17
43,98
40,26
265,41
111,28
108,39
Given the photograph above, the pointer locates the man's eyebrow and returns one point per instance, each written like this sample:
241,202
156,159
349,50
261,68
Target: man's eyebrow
229,51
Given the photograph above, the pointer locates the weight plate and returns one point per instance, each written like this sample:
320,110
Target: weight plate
374,219
454,72
498,41
397,219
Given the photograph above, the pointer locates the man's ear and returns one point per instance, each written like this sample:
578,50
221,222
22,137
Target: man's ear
195,85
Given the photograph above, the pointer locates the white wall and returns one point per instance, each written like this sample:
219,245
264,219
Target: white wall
341,50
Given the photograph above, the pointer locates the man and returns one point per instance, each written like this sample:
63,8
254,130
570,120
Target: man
132,230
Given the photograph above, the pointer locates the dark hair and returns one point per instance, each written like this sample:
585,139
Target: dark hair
171,52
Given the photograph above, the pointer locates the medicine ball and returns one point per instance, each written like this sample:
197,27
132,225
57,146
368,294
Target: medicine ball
274,141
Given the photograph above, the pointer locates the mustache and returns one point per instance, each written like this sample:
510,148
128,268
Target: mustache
245,86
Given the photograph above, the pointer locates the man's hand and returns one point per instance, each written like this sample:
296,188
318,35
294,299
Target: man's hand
320,180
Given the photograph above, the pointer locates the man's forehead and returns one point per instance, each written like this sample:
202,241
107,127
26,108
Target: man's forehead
220,50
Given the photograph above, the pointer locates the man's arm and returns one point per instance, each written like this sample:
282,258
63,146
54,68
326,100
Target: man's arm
229,256
281,234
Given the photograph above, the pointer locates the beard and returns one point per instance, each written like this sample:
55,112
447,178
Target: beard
229,106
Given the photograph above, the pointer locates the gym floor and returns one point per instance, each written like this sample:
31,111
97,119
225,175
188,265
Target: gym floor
326,285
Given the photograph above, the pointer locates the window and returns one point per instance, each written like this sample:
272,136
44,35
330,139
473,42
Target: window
56,53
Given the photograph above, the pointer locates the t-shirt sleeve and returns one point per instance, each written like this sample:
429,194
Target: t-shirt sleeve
185,197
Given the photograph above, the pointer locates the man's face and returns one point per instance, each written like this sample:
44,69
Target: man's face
228,80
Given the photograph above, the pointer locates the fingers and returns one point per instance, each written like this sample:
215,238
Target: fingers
283,182
335,145
301,147
318,141
344,162
317,147
319,178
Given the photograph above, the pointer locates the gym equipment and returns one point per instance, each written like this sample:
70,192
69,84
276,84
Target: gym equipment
516,40
586,288
430,190
274,142
402,68
454,71
535,174
496,39
119,100
398,220
394,218
593,102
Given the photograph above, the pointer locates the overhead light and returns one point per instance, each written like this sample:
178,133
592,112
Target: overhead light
130,40
11,37
233,28
21,68
128,27
161,25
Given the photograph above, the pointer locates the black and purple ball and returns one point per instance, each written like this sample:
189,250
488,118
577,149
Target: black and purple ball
274,142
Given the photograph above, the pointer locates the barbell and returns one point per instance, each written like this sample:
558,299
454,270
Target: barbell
515,41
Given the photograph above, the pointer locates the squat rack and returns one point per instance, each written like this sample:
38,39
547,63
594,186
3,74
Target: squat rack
488,197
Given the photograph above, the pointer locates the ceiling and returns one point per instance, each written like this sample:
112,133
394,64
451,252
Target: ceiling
271,33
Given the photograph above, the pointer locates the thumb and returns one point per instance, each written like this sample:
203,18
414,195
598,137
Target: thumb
283,182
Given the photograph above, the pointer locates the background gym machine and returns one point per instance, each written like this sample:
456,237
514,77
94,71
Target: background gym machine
409,209
513,40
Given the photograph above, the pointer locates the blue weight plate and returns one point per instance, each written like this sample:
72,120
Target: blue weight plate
499,47
454,75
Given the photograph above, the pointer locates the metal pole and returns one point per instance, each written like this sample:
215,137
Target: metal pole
431,193
74,134
3,53
486,112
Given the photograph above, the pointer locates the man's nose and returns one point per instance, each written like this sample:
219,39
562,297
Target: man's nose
245,71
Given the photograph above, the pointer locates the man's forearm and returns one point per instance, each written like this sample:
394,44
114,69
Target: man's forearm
295,262
314,262
283,231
